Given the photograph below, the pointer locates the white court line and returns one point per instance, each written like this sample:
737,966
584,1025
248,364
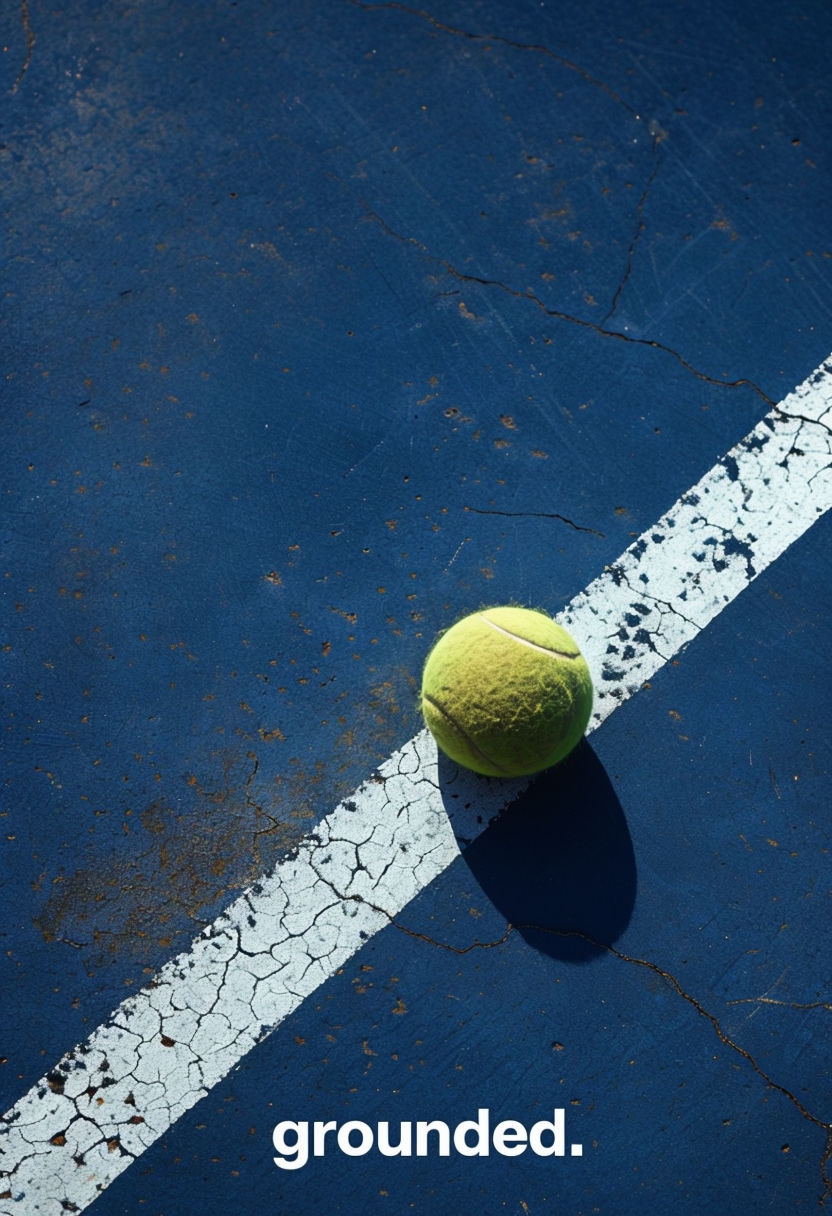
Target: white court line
165,1047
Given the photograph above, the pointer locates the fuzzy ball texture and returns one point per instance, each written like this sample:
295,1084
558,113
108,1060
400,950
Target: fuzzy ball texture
506,692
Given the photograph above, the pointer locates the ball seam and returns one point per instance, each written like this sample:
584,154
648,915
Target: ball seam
516,637
464,734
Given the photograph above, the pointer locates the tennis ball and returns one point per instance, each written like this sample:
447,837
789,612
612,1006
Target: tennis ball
506,692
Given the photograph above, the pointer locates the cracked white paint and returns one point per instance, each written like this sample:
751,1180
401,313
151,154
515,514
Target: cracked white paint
755,502
165,1048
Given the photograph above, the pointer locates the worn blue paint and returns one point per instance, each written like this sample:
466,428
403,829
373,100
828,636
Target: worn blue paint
327,323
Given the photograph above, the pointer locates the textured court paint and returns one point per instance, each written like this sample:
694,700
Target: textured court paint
163,1049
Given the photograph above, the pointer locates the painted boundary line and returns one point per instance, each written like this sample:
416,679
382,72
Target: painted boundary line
164,1048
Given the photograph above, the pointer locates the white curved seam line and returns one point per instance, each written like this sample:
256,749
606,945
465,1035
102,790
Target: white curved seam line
515,637
469,741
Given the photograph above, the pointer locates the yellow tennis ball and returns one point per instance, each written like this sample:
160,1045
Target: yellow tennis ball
506,692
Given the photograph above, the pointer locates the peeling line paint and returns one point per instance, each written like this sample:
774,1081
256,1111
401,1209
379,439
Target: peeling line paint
671,582
164,1048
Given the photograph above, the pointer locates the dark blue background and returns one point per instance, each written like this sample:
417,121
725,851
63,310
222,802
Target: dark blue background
323,324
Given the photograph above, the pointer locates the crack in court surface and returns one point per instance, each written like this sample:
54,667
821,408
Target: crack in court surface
515,44
657,135
670,978
557,314
536,515
29,36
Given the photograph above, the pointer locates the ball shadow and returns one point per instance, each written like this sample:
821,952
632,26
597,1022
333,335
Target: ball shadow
558,863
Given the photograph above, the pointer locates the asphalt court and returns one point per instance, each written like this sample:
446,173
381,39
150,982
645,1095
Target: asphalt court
324,327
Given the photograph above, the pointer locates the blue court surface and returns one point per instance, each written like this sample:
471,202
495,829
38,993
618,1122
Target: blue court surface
326,323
